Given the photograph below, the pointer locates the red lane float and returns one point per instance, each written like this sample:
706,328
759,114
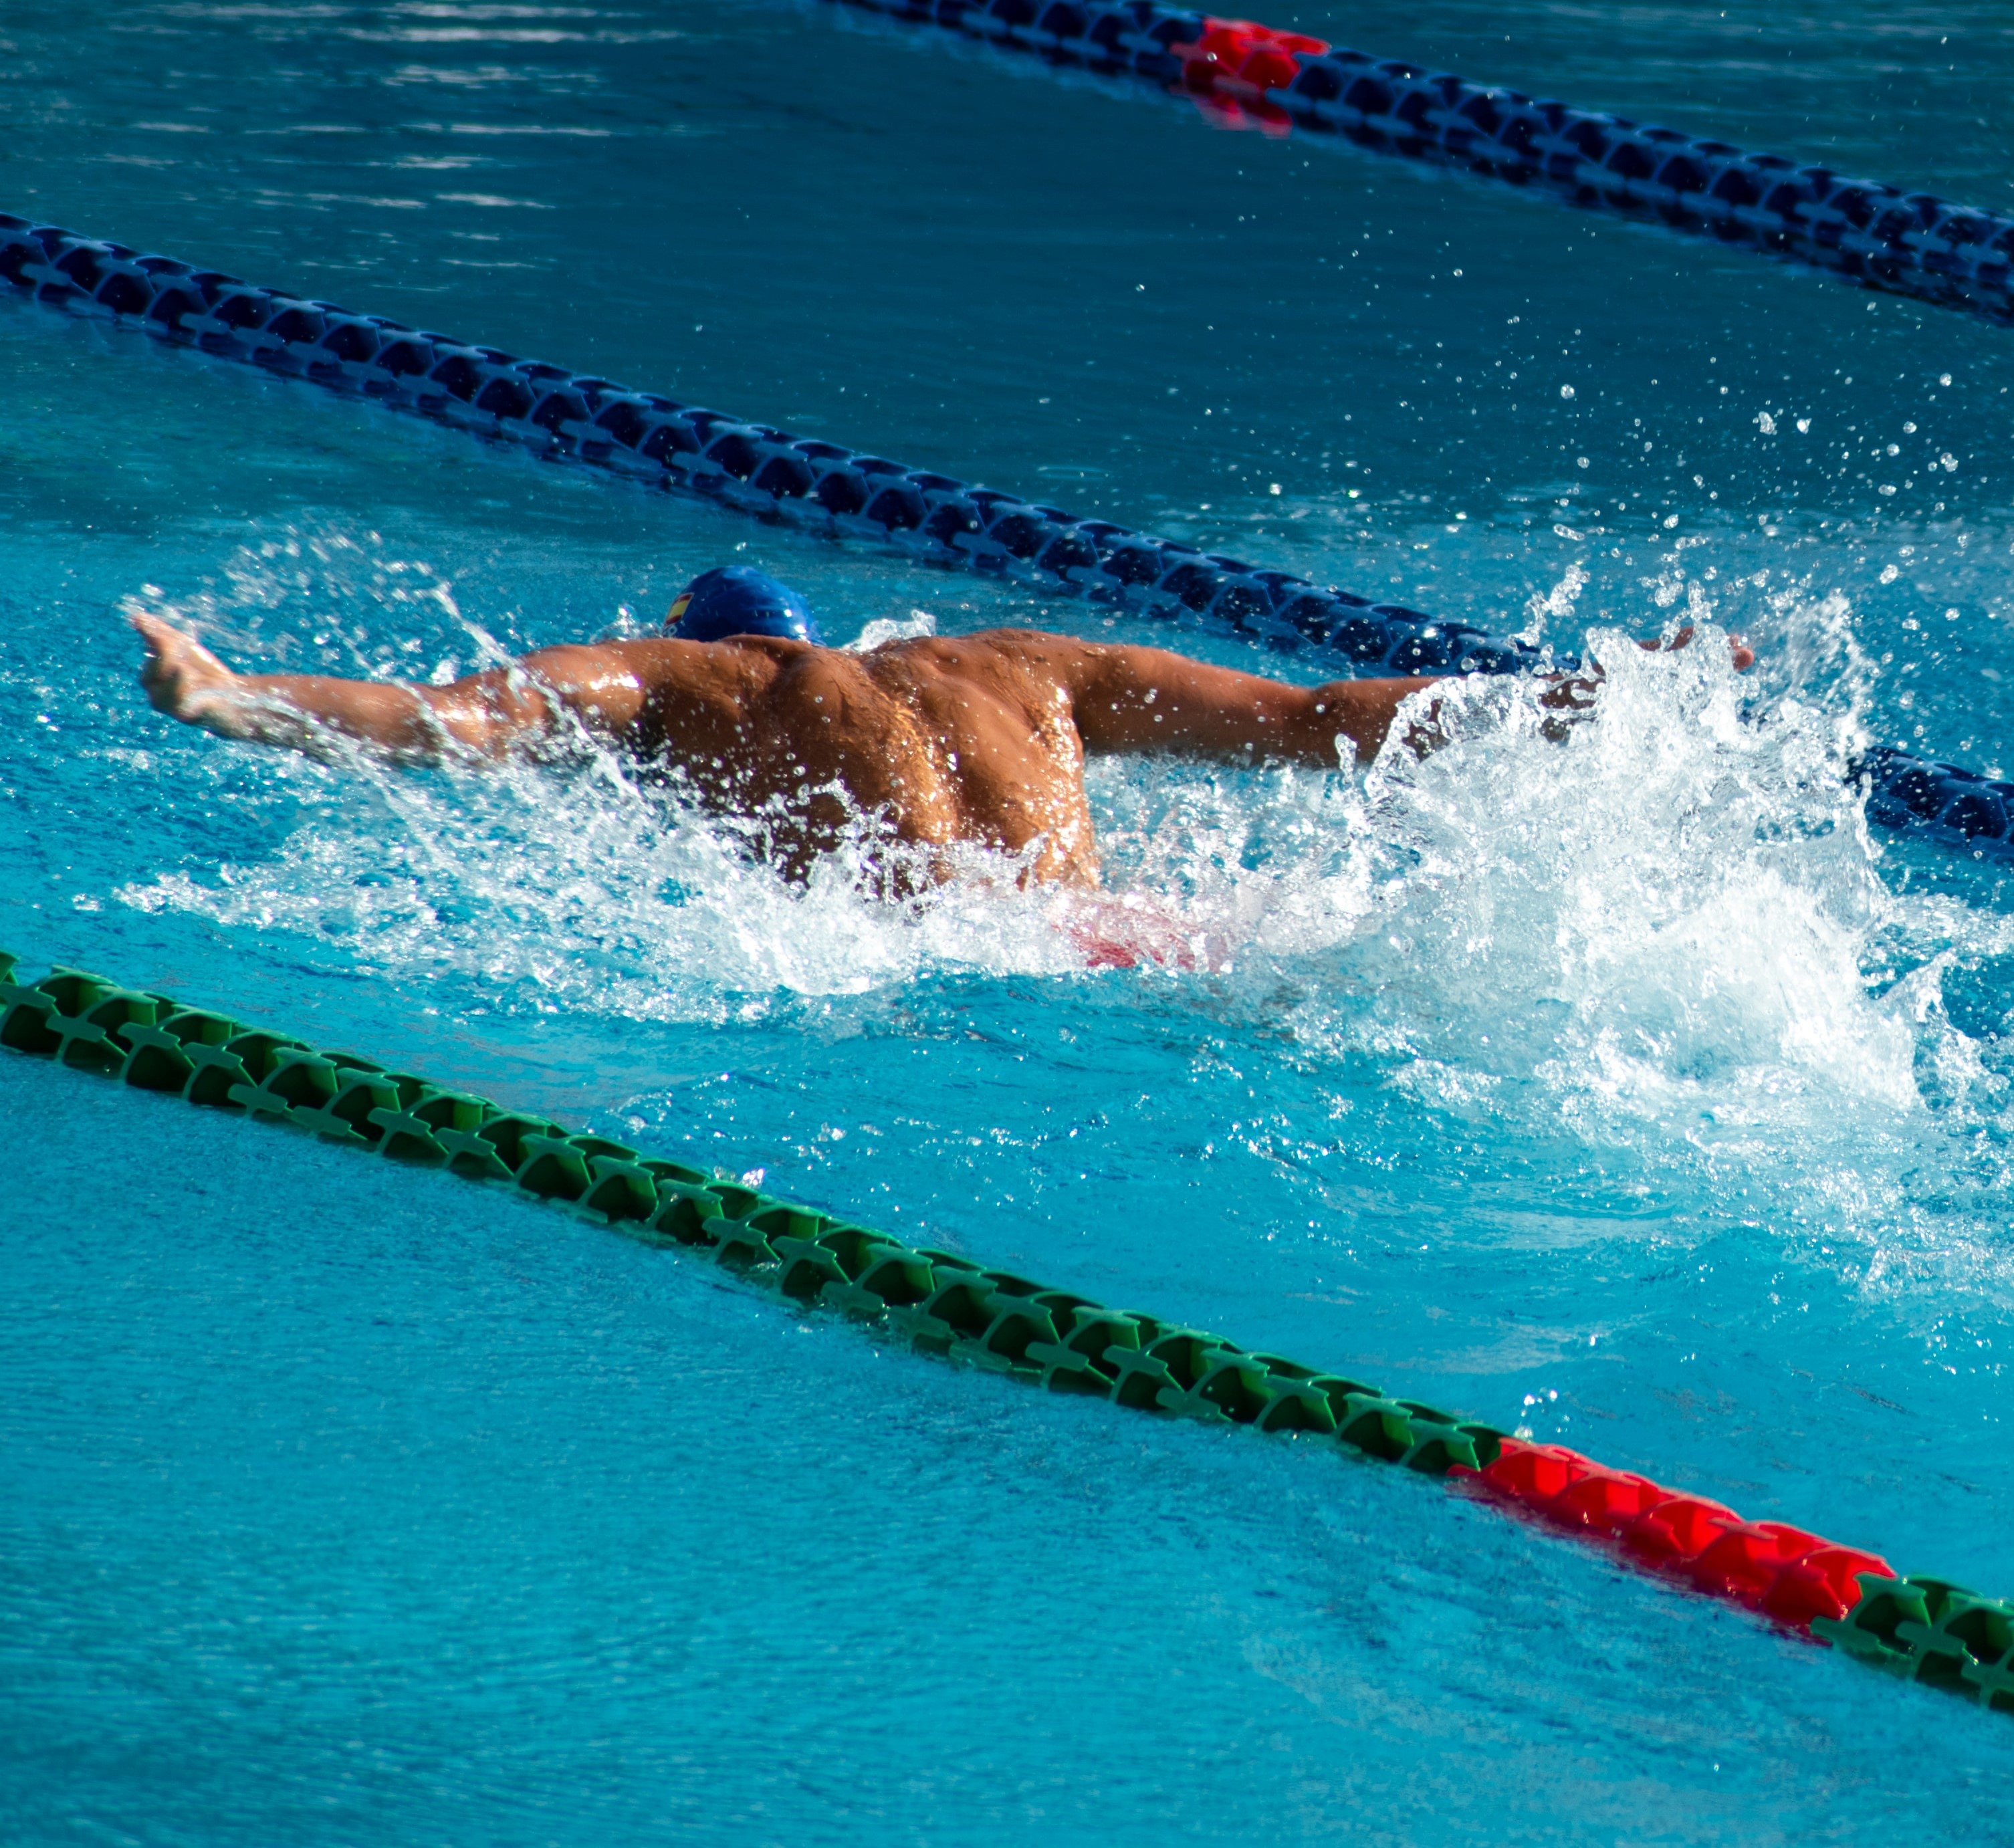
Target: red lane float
1230,70
1768,1566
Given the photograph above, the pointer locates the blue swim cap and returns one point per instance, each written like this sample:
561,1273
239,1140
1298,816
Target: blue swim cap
737,599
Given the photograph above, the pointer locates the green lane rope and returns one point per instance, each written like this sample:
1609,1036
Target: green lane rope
943,1303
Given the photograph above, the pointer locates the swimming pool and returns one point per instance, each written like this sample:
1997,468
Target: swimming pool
343,1502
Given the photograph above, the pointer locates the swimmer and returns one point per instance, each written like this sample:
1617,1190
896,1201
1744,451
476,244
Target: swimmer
976,739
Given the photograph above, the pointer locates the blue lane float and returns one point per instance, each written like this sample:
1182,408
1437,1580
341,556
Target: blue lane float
566,416
659,441
1958,809
1871,233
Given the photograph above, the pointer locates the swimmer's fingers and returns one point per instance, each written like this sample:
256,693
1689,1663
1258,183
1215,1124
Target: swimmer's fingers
1425,733
1569,700
1572,692
180,677
162,642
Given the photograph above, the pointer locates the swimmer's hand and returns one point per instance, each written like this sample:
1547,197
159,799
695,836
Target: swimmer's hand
183,679
1574,693
299,712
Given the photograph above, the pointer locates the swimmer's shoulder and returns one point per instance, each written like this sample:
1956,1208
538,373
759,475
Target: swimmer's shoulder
730,672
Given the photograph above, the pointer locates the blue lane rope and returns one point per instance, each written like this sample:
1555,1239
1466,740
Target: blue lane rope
1875,235
664,443
568,415
1955,808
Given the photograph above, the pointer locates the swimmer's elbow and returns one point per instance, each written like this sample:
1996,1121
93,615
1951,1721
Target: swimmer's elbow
487,717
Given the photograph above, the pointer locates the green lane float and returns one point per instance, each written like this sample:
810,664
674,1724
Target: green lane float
1927,1630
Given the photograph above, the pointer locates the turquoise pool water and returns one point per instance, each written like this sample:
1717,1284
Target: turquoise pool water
1625,1091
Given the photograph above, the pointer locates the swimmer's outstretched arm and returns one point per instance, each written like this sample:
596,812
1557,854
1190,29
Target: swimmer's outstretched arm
1137,700
485,715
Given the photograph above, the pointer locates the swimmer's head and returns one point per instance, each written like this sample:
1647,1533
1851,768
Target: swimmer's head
736,600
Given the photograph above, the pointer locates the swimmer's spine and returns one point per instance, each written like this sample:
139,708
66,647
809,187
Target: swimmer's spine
943,1303
567,416
1245,75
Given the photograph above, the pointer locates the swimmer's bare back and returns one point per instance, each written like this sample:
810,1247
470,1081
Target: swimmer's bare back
979,739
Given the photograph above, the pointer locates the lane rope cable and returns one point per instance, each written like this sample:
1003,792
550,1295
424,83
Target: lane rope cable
1245,75
564,416
942,1303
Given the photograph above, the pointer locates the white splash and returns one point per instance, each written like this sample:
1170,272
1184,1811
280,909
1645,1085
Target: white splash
893,628
1667,931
